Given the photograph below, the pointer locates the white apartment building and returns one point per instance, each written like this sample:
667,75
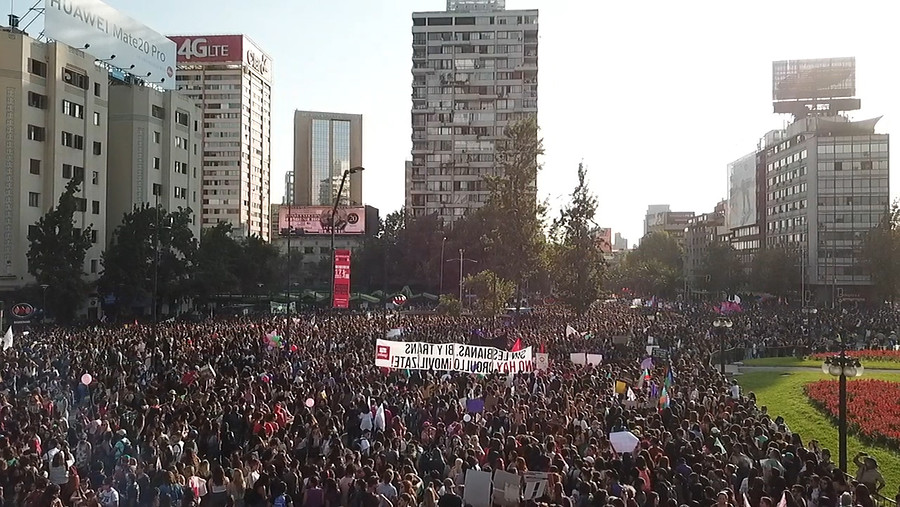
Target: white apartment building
54,115
475,71
154,154
230,79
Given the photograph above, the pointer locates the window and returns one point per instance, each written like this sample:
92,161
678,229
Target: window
36,133
95,207
96,118
94,237
72,140
37,67
67,171
96,89
72,109
158,112
98,148
181,142
838,166
34,199
75,78
156,162
866,165
80,204
181,167
78,173
180,193
93,266
35,166
182,118
156,137
37,100
157,189
95,177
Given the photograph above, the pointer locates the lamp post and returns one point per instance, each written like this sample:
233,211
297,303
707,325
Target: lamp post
156,230
337,200
443,244
842,366
44,301
721,325
461,259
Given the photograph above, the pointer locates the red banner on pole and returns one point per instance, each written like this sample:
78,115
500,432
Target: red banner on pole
341,293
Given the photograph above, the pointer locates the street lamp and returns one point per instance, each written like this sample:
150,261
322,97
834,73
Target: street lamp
337,200
721,325
842,366
461,259
443,244
156,230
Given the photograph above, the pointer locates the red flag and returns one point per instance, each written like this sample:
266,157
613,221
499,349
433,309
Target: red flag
542,347
517,346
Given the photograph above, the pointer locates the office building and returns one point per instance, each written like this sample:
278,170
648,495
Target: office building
288,189
700,232
326,145
620,243
154,152
475,71
230,79
670,222
652,211
55,130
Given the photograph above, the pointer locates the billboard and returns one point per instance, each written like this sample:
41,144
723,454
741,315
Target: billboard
603,238
222,48
103,32
741,210
317,220
821,78
341,295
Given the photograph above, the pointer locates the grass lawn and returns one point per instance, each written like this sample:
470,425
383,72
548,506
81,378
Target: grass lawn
797,362
783,394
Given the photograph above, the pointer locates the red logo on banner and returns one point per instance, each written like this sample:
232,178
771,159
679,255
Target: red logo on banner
383,352
341,293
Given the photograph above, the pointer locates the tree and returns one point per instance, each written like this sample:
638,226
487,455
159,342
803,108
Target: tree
130,266
258,266
881,254
775,271
56,254
721,270
654,267
576,260
449,305
490,290
513,213
217,255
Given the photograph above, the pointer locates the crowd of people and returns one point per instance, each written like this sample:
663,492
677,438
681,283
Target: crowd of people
217,413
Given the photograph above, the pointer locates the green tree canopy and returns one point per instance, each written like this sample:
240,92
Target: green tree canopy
491,292
722,270
881,254
776,271
56,253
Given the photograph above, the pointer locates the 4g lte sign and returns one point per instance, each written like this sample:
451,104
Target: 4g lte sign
222,48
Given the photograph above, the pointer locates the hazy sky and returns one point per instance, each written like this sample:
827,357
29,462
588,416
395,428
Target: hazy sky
655,97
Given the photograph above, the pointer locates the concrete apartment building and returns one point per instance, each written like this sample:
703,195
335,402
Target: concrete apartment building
670,222
54,117
700,232
230,79
475,71
154,154
326,145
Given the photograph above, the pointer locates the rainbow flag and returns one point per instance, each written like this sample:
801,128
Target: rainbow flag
664,399
669,378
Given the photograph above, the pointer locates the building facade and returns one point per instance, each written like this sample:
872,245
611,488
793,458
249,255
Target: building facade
326,145
475,71
827,185
288,189
671,222
699,232
154,153
55,130
230,79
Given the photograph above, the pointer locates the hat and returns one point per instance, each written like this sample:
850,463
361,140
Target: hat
121,433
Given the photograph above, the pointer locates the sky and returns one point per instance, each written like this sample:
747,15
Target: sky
654,97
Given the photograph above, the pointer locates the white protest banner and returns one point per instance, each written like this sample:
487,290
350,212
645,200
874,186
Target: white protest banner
452,357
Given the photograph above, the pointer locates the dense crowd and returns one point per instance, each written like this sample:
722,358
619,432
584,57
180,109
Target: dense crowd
214,414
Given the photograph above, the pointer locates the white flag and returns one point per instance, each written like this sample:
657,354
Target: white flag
630,394
570,331
8,339
394,333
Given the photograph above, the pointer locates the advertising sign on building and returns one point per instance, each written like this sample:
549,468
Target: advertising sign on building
222,48
103,32
317,220
741,210
341,296
818,78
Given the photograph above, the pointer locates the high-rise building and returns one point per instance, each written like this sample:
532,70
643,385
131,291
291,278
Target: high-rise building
700,232
55,130
652,211
154,152
620,243
475,71
326,145
670,222
288,190
230,79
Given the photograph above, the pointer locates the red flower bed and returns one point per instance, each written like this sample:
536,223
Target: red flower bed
873,406
867,354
